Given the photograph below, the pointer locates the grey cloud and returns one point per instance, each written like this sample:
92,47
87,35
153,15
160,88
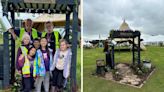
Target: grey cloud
100,16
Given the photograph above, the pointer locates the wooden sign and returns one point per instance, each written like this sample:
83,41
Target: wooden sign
124,34
40,1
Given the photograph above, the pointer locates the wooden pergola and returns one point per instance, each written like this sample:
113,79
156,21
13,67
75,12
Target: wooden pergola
38,6
135,47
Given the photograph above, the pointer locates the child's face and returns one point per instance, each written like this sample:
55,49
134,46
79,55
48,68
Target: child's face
43,42
32,52
36,44
63,46
26,41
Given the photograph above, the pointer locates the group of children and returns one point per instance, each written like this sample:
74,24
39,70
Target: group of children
37,65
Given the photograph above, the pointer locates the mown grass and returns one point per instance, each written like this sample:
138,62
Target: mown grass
1,39
93,84
78,71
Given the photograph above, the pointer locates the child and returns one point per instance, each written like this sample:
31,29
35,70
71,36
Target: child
25,43
61,66
26,61
36,43
43,65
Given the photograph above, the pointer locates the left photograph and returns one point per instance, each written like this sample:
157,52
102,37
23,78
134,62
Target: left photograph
40,45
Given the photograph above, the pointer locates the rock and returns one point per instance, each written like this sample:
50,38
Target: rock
108,76
126,78
134,76
120,66
127,74
138,79
123,81
135,83
130,80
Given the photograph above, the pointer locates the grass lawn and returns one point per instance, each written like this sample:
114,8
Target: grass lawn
1,39
93,84
79,68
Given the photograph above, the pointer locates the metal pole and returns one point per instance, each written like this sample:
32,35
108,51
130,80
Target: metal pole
74,48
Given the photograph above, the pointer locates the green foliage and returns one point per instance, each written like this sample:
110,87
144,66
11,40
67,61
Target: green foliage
17,83
141,69
116,75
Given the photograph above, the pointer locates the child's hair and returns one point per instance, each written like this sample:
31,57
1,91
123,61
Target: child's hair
30,49
24,36
63,40
44,38
46,45
36,39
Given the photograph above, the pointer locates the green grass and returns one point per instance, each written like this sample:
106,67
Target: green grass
1,39
93,84
79,68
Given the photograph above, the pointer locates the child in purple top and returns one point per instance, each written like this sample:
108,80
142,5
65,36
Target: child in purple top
43,74
46,58
26,43
28,79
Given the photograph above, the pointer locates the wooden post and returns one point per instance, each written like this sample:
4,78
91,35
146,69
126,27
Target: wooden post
12,50
6,60
67,27
113,61
6,54
133,51
74,48
139,49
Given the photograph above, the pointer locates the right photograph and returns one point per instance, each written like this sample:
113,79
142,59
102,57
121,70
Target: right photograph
123,45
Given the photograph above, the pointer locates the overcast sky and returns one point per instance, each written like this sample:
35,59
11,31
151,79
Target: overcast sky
21,15
100,16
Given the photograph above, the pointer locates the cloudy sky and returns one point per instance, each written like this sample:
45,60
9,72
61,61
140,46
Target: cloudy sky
100,16
21,15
